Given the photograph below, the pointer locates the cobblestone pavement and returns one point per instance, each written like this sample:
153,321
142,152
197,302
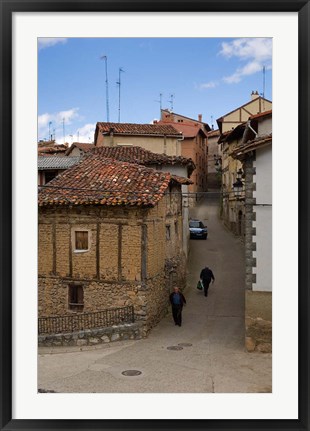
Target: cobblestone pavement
207,351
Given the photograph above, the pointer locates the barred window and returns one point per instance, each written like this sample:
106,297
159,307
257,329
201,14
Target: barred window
76,298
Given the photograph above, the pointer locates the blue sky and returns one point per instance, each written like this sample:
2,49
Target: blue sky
208,76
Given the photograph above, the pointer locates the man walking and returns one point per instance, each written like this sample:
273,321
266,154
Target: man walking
206,276
177,301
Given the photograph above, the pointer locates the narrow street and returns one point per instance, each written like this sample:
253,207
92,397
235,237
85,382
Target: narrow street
210,354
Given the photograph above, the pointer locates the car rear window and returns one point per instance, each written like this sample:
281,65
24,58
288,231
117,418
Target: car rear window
195,224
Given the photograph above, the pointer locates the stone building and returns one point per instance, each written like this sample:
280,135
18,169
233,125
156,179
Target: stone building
255,154
232,212
110,236
163,139
176,165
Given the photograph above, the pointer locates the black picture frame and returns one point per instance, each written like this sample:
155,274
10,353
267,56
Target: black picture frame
7,9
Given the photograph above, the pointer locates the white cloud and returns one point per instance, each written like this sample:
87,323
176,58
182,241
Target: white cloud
211,84
257,52
48,122
85,133
46,42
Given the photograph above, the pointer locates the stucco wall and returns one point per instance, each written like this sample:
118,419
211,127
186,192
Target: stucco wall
263,224
157,144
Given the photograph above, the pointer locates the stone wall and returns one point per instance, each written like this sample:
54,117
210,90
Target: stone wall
258,305
129,260
258,321
92,337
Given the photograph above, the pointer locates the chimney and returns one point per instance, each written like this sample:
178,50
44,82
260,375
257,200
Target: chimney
254,95
200,117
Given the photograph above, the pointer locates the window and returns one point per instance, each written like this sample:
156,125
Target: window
81,240
76,298
168,236
50,175
176,228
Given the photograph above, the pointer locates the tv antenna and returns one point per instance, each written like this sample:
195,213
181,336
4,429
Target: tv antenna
49,131
171,101
120,70
160,103
105,58
63,129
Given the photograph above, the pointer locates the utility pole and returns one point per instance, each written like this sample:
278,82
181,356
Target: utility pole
120,70
105,58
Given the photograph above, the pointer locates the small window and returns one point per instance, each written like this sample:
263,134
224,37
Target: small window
76,298
81,240
176,228
168,233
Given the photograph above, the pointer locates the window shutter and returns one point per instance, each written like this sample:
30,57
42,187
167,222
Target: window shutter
81,240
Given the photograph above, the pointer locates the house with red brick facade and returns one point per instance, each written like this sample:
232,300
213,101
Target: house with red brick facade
193,146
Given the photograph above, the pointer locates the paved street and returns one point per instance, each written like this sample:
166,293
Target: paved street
212,358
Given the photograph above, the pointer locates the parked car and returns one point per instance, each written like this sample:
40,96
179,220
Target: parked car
197,229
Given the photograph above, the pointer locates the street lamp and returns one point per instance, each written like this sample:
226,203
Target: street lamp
238,185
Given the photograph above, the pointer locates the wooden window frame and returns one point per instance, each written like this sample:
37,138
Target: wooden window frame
73,239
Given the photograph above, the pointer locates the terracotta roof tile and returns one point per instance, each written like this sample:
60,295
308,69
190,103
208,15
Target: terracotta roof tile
261,114
52,149
188,130
137,129
135,154
81,145
105,181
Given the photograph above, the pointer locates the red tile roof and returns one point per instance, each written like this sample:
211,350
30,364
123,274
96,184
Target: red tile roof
258,142
261,114
51,149
137,129
135,154
188,130
213,133
107,182
81,145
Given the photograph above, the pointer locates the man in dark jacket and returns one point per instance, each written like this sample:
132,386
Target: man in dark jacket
206,276
177,301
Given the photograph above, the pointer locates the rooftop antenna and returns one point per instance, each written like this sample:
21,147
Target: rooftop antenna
264,80
171,101
160,103
54,132
212,125
63,129
105,58
49,131
120,70
78,136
